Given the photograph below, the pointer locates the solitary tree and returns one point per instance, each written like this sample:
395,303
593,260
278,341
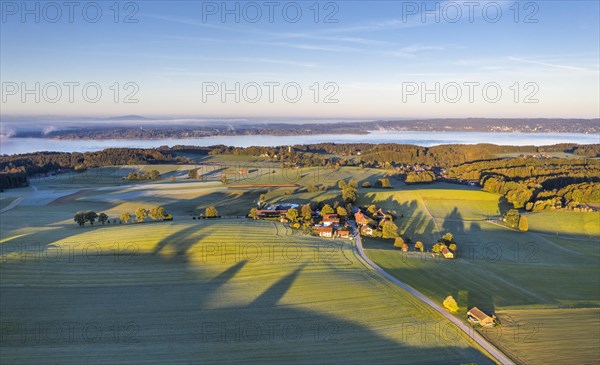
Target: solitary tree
91,216
390,230
450,304
141,214
419,246
80,219
125,217
342,212
211,212
385,183
224,179
102,218
523,224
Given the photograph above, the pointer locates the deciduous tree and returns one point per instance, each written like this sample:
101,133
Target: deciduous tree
80,219
125,217
211,212
523,224
390,230
141,214
398,242
102,218
292,214
419,246
91,216
157,213
327,209
450,304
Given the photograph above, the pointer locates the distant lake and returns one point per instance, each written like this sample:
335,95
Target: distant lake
26,145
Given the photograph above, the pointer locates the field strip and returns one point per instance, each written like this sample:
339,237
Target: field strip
475,336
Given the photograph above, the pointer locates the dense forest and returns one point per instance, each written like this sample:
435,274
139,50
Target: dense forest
534,183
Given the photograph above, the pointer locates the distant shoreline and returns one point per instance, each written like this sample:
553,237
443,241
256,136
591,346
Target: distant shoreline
148,129
233,134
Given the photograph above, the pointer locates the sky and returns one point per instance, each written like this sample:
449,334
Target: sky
301,59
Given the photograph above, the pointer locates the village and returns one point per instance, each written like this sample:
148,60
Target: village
336,221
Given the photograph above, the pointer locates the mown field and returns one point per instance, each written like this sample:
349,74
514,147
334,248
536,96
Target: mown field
522,277
229,291
193,289
533,336
561,222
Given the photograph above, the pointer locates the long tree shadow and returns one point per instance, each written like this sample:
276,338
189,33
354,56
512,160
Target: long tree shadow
275,292
453,222
181,319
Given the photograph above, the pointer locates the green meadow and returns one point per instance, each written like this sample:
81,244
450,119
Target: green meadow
531,280
239,291
220,291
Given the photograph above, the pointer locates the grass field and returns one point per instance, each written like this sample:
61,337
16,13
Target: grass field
533,336
519,276
193,290
574,223
230,291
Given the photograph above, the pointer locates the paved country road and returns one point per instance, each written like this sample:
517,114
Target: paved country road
475,336
12,205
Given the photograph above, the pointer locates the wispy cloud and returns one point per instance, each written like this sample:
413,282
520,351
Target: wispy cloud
549,64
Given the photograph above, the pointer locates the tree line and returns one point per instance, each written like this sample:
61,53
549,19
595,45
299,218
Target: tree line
157,213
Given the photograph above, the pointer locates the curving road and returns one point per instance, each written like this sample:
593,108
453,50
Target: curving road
471,333
12,205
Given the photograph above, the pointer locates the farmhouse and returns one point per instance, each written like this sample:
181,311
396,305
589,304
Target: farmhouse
476,316
329,219
343,233
361,219
447,253
273,211
267,213
325,231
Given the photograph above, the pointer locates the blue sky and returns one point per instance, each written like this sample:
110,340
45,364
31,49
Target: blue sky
370,55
